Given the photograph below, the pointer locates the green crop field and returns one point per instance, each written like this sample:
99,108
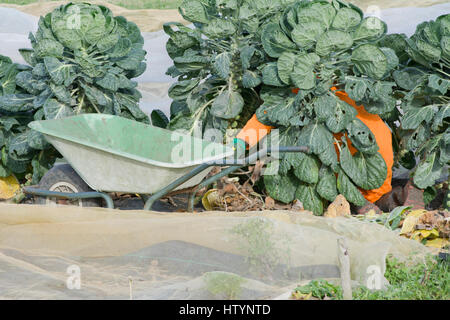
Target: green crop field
129,4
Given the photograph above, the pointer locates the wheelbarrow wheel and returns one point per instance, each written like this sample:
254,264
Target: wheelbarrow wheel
62,178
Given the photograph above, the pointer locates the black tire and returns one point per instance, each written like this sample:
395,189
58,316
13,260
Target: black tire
63,178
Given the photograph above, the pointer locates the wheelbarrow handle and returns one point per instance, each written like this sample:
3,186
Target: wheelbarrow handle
260,154
234,164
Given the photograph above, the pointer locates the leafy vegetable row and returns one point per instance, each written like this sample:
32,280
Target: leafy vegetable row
253,64
245,56
424,82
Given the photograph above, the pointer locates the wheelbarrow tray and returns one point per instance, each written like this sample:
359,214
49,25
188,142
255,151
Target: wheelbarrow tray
115,154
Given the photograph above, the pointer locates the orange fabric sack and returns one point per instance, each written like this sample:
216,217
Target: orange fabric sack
255,131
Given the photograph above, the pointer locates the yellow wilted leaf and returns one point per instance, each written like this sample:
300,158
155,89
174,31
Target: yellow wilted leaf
437,243
301,296
424,234
210,199
9,187
411,220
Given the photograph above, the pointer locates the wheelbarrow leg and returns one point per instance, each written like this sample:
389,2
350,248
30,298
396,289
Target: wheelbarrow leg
161,193
235,164
207,182
71,196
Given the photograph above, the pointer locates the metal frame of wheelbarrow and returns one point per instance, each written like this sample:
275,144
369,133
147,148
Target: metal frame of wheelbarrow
234,165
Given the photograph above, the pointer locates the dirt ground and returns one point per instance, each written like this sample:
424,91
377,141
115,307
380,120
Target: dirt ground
152,20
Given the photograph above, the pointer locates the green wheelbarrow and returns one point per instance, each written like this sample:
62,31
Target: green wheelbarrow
108,154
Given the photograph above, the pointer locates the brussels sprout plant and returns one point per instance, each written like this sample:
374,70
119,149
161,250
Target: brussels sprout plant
82,61
424,82
22,150
217,63
319,48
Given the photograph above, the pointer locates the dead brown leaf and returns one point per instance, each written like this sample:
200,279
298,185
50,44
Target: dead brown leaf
338,208
256,175
270,203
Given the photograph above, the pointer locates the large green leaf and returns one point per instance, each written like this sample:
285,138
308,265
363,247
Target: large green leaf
328,156
310,199
190,61
356,87
60,73
96,96
25,80
56,110
327,187
409,78
251,79
18,144
5,63
366,171
303,73
336,113
281,187
396,42
218,28
8,82
121,49
131,104
370,29
285,66
222,64
61,93
48,48
36,140
194,11
392,59
428,171
250,57
415,116
133,59
276,111
8,122
109,82
308,169
316,11
274,41
370,61
227,105
316,137
159,119
270,75
349,190
439,84
180,90
16,102
333,40
361,137
305,35
346,19
415,138
440,116
108,42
